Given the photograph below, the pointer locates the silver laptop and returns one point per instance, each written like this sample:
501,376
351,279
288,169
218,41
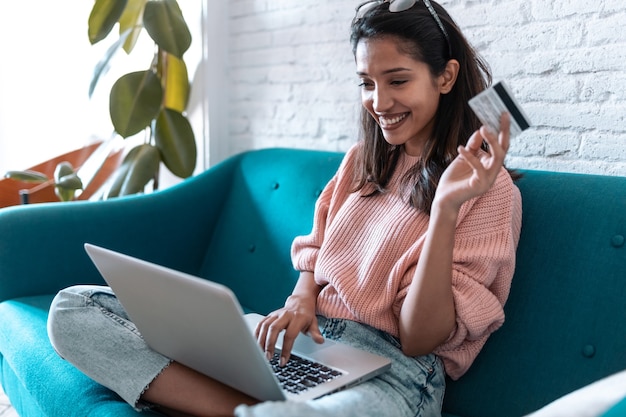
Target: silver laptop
201,324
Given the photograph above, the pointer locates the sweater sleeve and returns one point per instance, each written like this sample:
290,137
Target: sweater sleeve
483,264
305,249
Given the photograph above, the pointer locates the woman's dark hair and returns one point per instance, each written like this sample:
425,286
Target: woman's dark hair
420,37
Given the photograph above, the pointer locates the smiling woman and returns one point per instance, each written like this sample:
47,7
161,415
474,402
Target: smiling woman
403,276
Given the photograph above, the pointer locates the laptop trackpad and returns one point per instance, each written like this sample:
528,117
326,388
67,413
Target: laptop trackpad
306,345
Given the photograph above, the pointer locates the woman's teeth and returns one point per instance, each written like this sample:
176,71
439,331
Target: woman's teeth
388,121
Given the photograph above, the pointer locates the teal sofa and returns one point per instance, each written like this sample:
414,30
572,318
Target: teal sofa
234,224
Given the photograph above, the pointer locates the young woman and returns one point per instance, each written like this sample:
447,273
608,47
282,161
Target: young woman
411,254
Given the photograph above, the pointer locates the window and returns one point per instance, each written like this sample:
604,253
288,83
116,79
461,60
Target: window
47,67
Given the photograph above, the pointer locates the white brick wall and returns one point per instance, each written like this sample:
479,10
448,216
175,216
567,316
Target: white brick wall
291,75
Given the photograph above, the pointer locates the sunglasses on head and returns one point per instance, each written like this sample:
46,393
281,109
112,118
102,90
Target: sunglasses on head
400,6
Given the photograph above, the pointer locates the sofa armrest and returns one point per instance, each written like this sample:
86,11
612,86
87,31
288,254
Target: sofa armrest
41,245
591,400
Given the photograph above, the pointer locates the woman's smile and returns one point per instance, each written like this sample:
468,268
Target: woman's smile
391,121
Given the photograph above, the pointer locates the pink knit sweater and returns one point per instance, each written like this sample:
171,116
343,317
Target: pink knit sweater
364,252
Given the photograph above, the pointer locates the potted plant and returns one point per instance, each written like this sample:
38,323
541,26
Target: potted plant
66,182
154,100
151,101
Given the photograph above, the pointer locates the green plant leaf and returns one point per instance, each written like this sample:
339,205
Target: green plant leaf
27,176
65,188
138,168
175,139
132,20
66,182
62,169
103,65
104,15
70,182
166,25
175,81
64,194
135,100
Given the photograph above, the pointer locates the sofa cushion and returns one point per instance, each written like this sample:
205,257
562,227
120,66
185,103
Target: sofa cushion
590,401
55,387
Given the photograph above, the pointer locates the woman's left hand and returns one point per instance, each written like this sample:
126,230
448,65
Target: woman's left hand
474,171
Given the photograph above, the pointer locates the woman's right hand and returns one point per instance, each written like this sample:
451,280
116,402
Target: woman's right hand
297,316
473,171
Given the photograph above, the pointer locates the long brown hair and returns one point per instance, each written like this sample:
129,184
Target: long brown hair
419,36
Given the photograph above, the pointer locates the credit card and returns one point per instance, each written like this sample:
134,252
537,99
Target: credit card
491,103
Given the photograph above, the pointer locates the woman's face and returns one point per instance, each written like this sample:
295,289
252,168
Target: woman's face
399,92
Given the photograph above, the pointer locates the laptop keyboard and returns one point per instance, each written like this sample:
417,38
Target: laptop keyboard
300,374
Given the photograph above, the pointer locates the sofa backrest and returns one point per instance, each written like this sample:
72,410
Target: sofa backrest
271,200
565,317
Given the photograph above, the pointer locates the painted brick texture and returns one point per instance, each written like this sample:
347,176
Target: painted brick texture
292,81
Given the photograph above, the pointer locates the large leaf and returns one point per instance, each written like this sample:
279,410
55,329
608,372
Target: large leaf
103,65
138,168
175,81
27,176
175,139
104,15
62,169
70,182
66,182
165,24
135,100
131,20
65,188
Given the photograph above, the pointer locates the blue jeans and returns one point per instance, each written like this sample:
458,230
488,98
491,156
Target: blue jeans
88,327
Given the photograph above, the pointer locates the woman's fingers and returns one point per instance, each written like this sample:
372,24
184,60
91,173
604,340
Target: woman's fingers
485,166
475,142
293,332
474,170
498,142
470,158
263,334
505,131
269,329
